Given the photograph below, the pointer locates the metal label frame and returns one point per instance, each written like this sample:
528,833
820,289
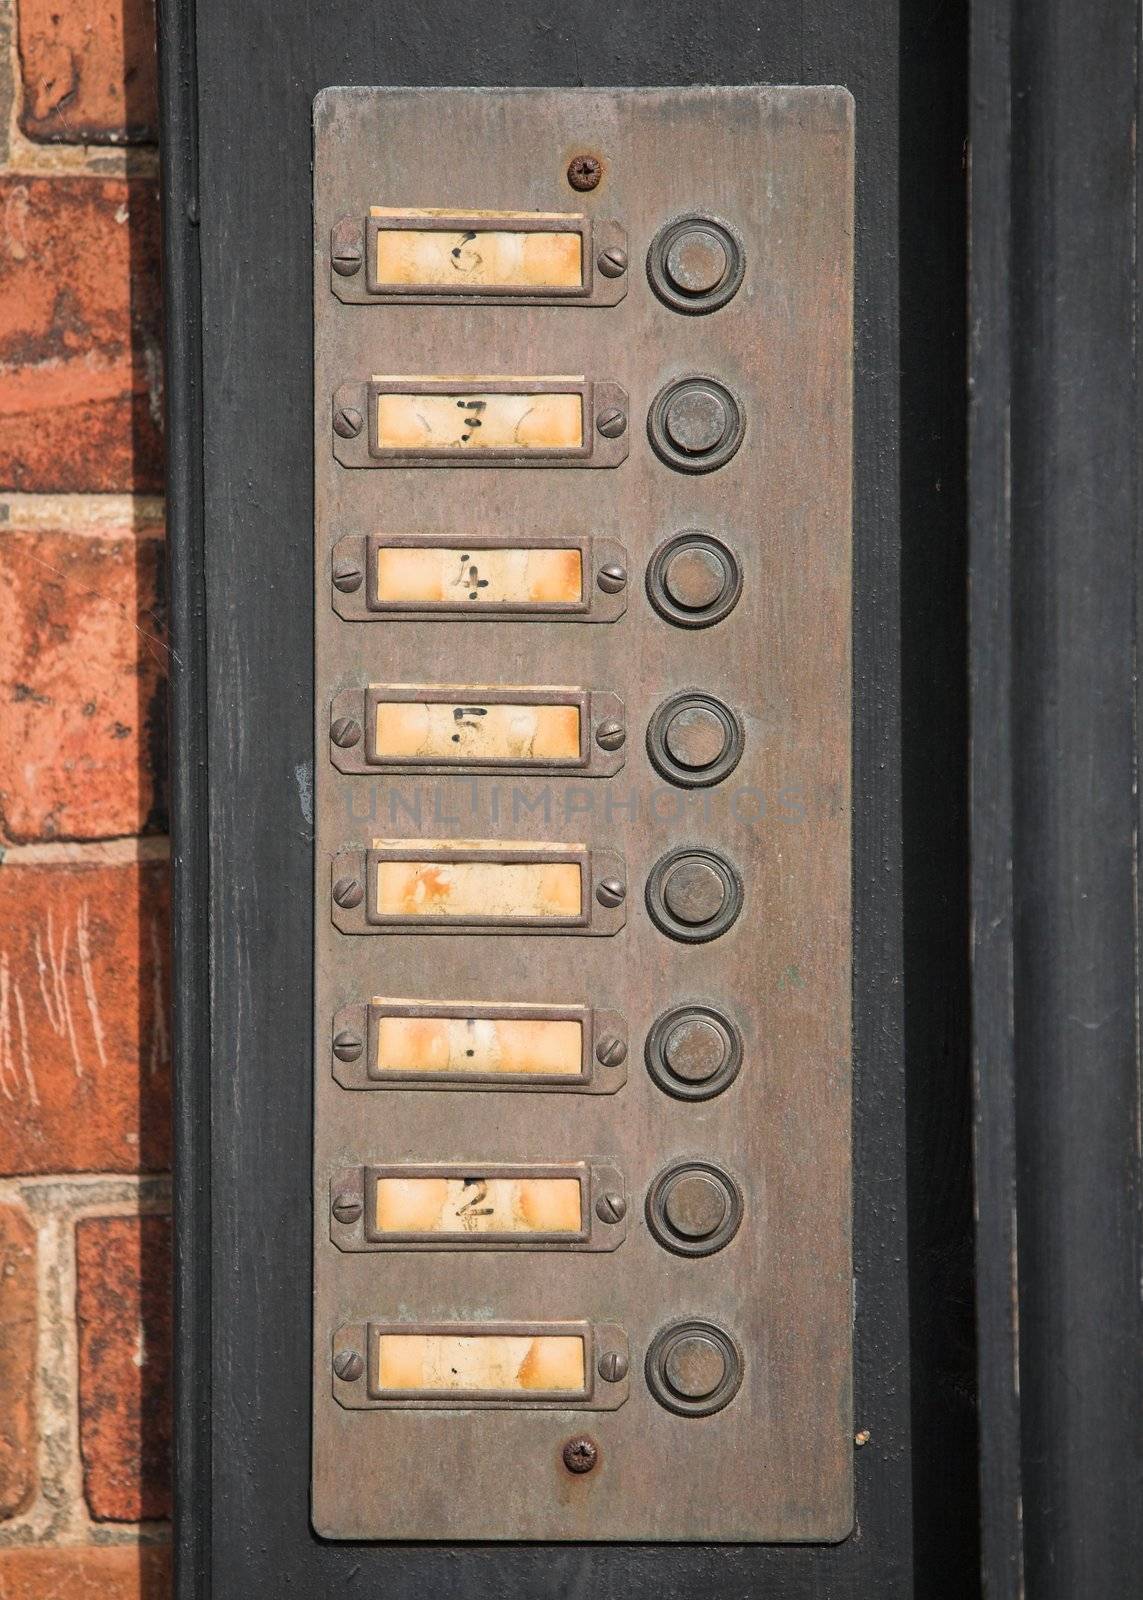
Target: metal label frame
597,396
594,1077
593,917
595,1178
598,236
595,706
604,594
599,1339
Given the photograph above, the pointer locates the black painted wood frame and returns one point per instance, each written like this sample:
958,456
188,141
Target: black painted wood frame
1054,562
237,85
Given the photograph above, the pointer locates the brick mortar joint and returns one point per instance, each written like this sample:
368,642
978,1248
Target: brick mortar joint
59,1516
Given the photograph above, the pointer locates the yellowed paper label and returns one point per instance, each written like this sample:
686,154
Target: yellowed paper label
548,1047
466,576
479,421
485,889
469,731
476,1362
488,259
478,1205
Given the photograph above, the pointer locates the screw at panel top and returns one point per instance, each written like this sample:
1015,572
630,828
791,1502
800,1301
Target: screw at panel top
584,172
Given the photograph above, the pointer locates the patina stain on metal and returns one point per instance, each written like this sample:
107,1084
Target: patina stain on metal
645,1323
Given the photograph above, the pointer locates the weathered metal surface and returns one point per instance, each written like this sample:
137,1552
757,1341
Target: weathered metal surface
739,1426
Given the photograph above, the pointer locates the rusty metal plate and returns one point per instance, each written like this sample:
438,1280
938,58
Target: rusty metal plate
699,1385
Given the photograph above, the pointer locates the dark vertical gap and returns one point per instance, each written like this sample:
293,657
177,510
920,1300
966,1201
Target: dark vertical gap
1075,530
934,703
189,790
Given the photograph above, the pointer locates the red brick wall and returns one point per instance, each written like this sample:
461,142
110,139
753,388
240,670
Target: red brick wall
84,1057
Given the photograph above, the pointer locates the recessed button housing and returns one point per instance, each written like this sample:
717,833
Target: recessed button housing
694,1208
693,1052
696,264
693,579
693,1368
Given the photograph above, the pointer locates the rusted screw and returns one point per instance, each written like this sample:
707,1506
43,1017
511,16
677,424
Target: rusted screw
347,1046
609,892
612,578
347,422
612,1366
611,1207
580,1455
584,172
346,1207
348,893
611,422
612,262
611,1051
348,1365
347,578
610,735
345,732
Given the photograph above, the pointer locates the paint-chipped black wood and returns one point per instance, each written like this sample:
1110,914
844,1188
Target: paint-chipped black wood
1054,567
243,928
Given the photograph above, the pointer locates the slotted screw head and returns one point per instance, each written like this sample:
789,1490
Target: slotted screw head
347,1046
611,1207
345,732
610,892
346,1207
612,1366
348,1365
612,262
580,1455
347,422
348,893
584,172
612,578
611,1051
611,422
347,578
347,260
610,735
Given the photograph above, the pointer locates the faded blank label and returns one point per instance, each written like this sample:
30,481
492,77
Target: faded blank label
433,730
464,576
478,1205
481,1362
496,259
419,422
550,1048
489,890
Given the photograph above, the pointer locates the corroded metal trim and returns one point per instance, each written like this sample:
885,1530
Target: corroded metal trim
602,1227
603,1034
